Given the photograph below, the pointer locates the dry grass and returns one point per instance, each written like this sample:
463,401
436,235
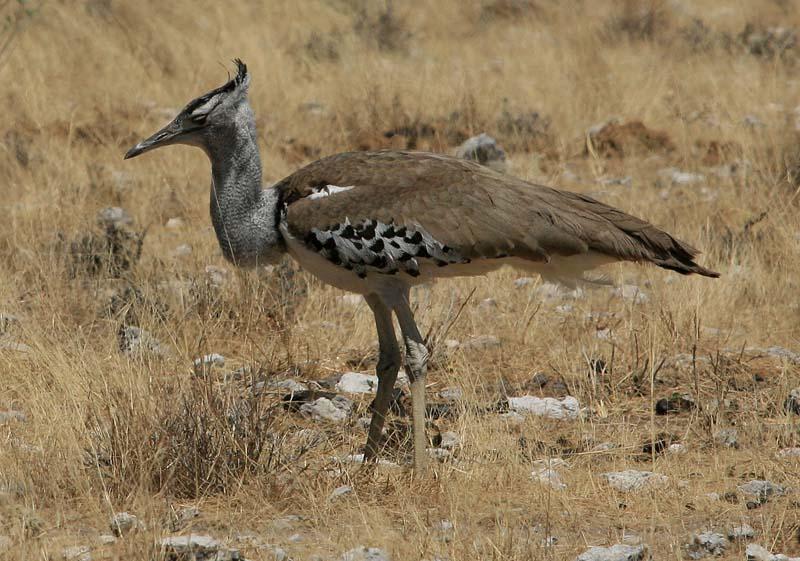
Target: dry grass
105,432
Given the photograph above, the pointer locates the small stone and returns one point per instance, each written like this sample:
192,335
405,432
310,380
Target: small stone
174,223
679,177
16,346
451,394
446,530
743,532
77,553
792,403
197,548
705,544
341,491
631,292
288,385
481,342
182,250
756,552
712,496
634,480
359,459
451,344
450,440
334,410
184,516
513,418
488,304
762,489
114,216
217,276
788,453
567,408
727,438
545,471
353,300
523,282
677,449
12,415
134,341
207,361
107,539
484,150
618,552
124,522
362,553
439,454
355,382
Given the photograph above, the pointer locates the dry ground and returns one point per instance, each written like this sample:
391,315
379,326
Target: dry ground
104,431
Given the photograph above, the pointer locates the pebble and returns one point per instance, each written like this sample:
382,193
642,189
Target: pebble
341,491
756,552
488,303
77,553
114,216
523,282
198,548
217,276
727,438
513,418
6,345
677,449
124,522
182,250
481,342
789,453
107,539
210,360
353,300
446,530
743,532
484,150
705,544
679,177
288,385
617,552
334,410
451,394
634,480
174,223
546,472
362,553
355,382
12,415
550,407
631,292
762,489
450,440
439,454
134,341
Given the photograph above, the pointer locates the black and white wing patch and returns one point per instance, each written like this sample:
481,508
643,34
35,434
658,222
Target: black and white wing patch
373,246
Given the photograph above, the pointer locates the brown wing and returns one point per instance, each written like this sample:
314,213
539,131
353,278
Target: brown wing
477,211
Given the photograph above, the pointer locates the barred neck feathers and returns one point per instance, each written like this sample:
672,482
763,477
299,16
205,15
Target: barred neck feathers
243,213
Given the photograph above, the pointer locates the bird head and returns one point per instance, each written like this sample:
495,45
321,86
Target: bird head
218,109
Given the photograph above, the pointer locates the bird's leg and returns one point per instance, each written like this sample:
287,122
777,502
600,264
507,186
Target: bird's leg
388,365
417,366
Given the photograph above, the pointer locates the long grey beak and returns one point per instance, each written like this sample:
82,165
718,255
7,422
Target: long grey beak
167,135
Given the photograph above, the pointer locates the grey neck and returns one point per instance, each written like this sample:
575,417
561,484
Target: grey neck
243,213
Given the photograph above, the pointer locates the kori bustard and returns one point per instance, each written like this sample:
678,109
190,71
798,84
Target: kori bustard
379,223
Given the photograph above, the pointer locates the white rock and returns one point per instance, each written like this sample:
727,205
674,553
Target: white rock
362,553
16,346
124,522
756,552
546,472
679,177
513,418
135,341
634,480
567,408
341,491
484,150
488,304
212,359
174,223
217,276
789,453
353,300
705,544
524,281
481,342
182,250
439,454
114,216
762,489
743,532
677,449
12,415
618,552
451,344
197,547
288,385
631,292
324,409
107,539
452,394
359,459
450,440
77,553
355,382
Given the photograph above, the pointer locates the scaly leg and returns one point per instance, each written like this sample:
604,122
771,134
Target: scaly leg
417,366
388,365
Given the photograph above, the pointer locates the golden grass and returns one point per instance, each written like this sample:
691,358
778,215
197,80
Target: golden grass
104,432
